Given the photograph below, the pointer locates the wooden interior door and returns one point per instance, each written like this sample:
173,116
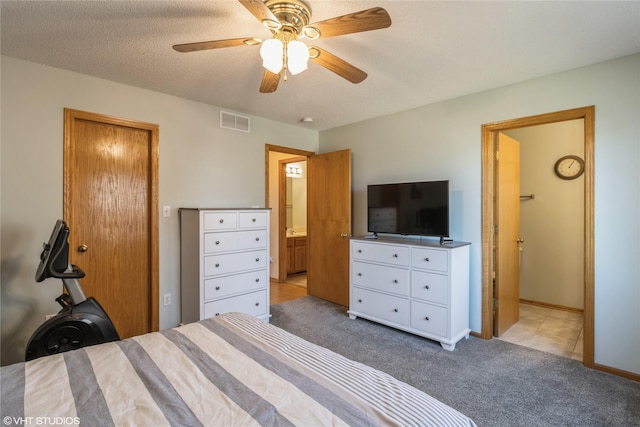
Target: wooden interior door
329,226
507,222
110,205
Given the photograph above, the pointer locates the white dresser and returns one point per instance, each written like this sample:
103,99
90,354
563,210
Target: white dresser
416,286
224,262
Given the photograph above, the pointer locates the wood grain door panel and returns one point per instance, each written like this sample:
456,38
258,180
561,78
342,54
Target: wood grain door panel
110,206
507,285
329,226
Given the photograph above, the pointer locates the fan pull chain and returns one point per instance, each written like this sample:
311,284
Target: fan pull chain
285,58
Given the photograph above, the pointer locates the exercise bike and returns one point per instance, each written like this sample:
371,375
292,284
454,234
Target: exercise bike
82,321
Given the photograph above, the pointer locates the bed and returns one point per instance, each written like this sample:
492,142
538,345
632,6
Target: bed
230,370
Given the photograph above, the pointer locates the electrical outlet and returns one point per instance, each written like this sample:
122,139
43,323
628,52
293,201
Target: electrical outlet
167,299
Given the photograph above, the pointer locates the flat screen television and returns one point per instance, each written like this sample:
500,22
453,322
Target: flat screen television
409,208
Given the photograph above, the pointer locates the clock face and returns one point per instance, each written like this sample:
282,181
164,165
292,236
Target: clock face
569,167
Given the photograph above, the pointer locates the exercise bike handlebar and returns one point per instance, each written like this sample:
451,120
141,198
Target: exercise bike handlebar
72,272
54,260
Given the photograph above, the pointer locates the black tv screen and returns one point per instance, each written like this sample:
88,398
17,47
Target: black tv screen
410,208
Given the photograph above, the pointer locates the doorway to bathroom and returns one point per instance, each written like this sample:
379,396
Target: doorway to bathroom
328,219
295,208
286,196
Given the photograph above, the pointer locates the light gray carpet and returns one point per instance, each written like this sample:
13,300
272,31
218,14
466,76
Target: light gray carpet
493,382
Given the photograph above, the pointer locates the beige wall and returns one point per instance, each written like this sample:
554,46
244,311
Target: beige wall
552,224
443,140
201,165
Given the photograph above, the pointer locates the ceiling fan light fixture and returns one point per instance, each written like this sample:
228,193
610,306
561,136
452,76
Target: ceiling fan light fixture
288,21
297,57
272,55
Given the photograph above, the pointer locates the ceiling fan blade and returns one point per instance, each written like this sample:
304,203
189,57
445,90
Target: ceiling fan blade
337,65
269,82
262,13
366,20
216,44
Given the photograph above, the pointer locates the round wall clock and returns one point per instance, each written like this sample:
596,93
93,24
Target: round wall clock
569,167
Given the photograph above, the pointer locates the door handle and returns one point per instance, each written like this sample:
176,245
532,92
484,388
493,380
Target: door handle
345,235
83,248
520,240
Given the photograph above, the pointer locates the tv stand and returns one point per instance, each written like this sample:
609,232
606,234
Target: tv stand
418,287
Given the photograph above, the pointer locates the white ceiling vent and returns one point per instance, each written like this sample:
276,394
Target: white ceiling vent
234,121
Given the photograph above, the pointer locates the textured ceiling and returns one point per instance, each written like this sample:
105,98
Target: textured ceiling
434,50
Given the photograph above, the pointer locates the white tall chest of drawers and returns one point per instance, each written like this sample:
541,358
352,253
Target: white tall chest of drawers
224,262
418,287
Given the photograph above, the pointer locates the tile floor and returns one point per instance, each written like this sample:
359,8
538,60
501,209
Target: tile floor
553,331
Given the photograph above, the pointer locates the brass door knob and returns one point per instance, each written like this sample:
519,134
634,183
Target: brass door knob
83,248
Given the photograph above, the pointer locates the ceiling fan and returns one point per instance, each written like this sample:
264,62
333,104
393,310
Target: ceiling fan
288,21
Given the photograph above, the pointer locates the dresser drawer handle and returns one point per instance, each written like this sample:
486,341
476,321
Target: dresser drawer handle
253,220
395,280
426,318
359,300
360,274
395,310
359,251
217,264
221,220
395,255
427,259
217,314
257,239
217,242
257,279
426,286
217,288
257,304
257,259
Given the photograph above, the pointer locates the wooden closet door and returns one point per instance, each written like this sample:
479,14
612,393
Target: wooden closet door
111,208
507,282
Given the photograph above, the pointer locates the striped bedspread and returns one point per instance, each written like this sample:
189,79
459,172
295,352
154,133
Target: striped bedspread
231,370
